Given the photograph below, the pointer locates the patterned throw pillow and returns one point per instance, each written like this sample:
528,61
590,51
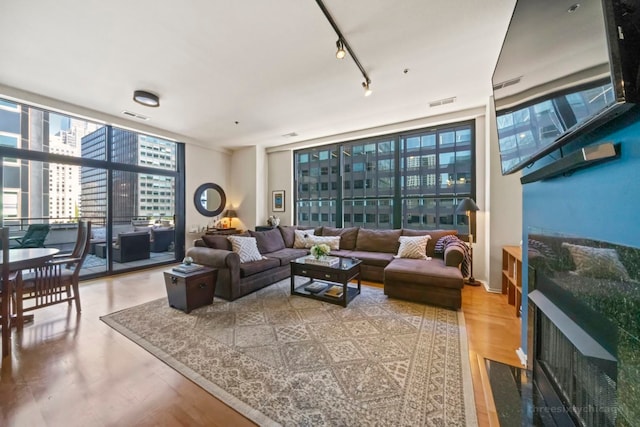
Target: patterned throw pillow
300,241
332,241
599,263
414,247
246,248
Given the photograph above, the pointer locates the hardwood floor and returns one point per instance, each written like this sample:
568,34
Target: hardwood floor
69,370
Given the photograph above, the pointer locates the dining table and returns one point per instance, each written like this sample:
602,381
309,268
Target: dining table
19,259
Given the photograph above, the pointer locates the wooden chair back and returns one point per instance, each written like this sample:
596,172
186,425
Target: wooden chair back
4,294
56,281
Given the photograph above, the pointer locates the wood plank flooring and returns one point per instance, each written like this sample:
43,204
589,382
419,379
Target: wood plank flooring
69,370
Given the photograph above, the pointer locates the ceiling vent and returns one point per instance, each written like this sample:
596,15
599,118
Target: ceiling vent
506,83
442,102
135,115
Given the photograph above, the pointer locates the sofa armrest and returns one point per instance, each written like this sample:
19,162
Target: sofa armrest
453,256
216,258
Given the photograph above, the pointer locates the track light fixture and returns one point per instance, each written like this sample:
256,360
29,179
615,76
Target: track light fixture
367,87
343,48
145,98
340,53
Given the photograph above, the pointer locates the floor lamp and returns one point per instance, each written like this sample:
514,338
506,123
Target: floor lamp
466,206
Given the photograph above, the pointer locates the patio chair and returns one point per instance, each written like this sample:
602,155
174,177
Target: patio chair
34,237
54,282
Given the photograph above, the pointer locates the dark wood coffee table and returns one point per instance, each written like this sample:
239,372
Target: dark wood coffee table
345,271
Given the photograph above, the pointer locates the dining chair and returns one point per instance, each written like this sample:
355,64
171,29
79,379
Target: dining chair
34,237
54,282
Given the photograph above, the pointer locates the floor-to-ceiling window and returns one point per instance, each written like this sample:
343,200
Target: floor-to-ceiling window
57,169
409,179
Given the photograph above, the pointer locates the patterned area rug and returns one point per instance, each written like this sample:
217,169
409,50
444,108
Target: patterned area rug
290,360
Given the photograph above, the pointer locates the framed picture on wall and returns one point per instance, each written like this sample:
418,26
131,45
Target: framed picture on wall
278,201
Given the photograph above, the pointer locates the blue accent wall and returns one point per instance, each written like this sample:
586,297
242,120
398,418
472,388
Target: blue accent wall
601,202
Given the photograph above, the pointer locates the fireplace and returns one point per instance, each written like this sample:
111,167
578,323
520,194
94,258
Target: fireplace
584,305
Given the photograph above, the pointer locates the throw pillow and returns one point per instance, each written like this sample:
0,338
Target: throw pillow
246,248
217,242
348,236
268,241
378,240
332,241
414,247
435,236
598,263
301,236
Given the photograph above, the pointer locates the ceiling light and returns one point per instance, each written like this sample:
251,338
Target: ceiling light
145,98
367,87
340,53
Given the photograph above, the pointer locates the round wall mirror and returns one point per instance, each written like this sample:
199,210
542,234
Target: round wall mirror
210,199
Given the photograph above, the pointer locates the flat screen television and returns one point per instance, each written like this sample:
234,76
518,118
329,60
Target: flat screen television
565,68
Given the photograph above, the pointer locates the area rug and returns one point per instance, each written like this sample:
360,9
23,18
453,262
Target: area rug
288,360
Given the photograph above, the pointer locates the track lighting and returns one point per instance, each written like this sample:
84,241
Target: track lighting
367,87
343,48
146,98
340,53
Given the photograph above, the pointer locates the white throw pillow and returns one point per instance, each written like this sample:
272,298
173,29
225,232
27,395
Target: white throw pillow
246,248
300,241
414,247
332,241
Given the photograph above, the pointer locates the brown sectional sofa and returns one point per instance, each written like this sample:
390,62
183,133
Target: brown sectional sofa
436,281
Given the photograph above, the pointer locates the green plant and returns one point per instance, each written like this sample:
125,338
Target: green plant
320,250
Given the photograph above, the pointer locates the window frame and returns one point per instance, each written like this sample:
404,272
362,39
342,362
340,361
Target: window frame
461,170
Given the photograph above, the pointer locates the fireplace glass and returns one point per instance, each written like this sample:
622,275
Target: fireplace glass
586,340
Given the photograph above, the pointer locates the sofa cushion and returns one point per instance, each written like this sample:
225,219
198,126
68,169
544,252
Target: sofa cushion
378,259
414,247
255,267
435,235
288,234
246,248
332,241
348,236
378,240
300,241
342,253
287,255
217,242
432,272
268,241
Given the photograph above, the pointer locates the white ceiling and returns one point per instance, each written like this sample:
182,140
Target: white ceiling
269,65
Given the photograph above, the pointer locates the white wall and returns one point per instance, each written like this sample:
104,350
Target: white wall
504,205
248,187
280,177
202,166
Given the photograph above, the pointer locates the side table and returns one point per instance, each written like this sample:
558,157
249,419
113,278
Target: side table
187,291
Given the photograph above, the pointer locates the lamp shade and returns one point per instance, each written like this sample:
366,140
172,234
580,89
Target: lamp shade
467,205
230,213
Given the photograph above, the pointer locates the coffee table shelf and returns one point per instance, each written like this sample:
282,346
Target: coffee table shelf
346,271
